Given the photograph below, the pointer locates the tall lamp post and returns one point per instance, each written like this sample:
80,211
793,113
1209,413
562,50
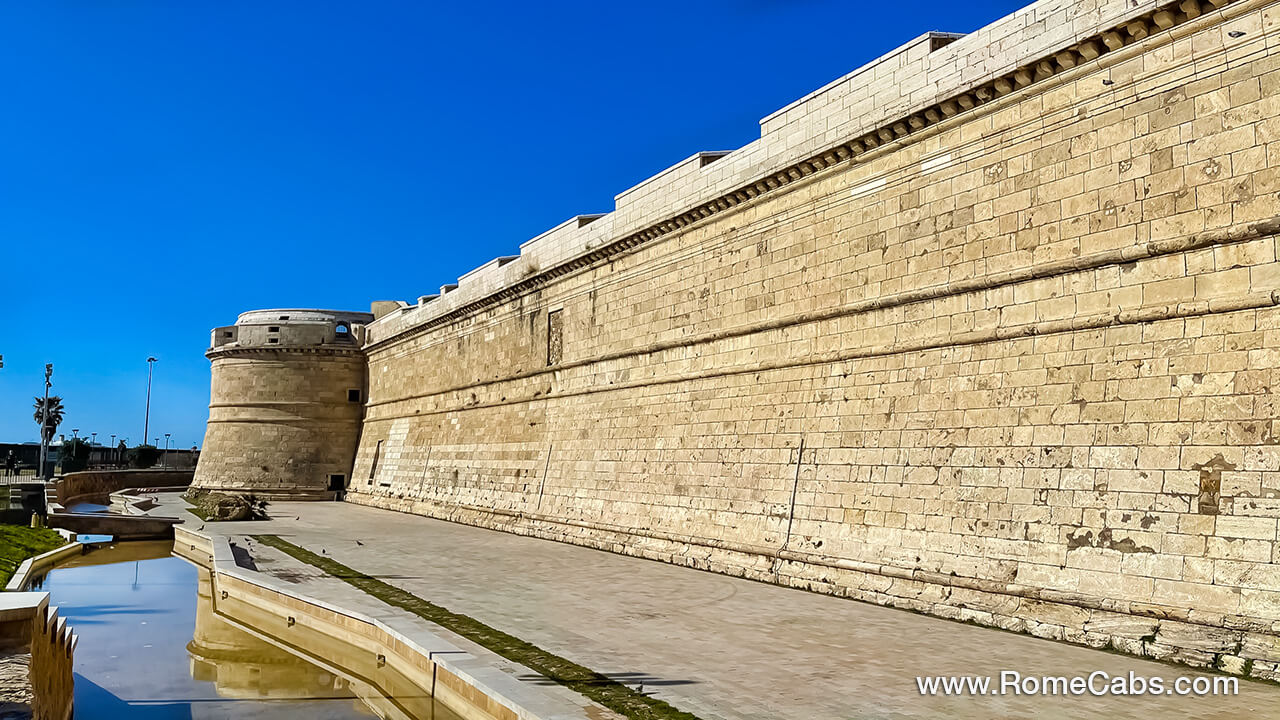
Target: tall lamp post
146,422
75,438
44,419
164,459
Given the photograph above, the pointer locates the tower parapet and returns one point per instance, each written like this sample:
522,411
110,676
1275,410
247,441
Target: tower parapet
286,400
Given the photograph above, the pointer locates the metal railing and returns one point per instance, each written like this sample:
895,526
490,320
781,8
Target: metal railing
25,475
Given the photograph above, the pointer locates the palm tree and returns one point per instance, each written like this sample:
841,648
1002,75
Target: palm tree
50,426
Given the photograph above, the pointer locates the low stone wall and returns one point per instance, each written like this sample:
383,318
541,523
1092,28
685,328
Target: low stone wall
35,565
121,527
27,619
472,690
91,485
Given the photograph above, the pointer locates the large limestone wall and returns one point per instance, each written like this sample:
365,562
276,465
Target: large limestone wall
1015,368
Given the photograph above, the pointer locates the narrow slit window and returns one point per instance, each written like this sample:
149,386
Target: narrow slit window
555,337
373,467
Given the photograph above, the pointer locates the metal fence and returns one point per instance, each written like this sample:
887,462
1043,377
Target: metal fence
21,476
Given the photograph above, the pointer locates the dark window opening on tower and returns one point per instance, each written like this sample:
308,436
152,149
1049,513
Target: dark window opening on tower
353,395
273,340
555,337
274,328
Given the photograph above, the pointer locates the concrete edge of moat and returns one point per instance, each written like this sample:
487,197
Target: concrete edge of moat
470,685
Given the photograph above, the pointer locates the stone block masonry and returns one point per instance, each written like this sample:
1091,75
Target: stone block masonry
285,404
29,623
1000,347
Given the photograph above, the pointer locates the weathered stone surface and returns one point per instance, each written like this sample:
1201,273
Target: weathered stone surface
36,647
285,403
15,686
228,507
1025,346
1197,637
1121,624
1260,647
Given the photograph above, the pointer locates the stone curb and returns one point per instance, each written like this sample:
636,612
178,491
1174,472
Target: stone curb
521,700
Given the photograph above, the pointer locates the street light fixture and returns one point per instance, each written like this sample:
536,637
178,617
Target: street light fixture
164,459
146,422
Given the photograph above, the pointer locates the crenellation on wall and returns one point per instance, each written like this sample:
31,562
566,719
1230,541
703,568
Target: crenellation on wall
569,239
1016,370
942,64
1013,365
1033,109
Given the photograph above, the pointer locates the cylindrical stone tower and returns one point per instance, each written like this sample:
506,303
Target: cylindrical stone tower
285,405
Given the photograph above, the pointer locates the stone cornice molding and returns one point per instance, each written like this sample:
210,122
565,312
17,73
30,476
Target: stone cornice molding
1117,43
237,351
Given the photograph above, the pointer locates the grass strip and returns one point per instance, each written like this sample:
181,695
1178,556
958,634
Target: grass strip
585,681
19,542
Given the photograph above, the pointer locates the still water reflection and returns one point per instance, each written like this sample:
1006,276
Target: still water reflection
151,647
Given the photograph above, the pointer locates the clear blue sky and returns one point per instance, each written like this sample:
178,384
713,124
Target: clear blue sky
165,166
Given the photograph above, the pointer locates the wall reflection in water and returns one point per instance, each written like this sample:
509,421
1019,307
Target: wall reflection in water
134,608
245,667
243,650
155,646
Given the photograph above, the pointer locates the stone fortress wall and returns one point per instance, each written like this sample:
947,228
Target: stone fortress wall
285,403
986,329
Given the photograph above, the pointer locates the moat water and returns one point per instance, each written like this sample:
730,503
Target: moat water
152,647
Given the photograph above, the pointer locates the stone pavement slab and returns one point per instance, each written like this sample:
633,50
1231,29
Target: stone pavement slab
717,646
545,700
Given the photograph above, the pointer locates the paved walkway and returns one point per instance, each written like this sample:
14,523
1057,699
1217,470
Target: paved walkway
712,645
